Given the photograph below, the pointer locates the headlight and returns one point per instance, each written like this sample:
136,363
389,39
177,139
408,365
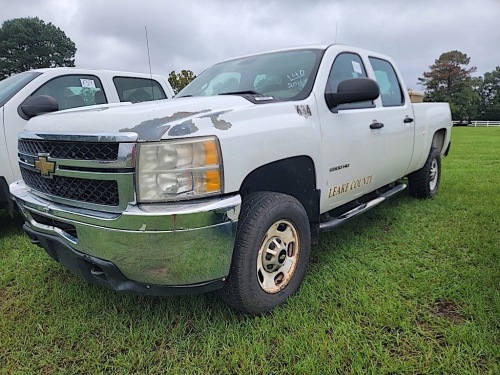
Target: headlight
179,169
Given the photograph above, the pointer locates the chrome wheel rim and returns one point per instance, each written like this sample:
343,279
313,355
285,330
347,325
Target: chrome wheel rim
278,256
433,174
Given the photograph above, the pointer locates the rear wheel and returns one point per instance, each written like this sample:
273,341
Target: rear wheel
424,183
271,253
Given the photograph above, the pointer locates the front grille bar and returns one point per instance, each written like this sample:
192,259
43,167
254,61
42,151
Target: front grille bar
70,150
103,192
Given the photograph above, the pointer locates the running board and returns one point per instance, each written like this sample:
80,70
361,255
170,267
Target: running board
339,220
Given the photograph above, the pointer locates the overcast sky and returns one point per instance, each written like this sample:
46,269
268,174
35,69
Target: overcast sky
189,34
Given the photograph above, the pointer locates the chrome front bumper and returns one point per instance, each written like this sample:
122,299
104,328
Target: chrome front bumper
174,244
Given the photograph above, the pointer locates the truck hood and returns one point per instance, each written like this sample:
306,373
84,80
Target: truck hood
151,121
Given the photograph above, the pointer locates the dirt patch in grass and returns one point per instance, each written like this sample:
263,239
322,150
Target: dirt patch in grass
448,310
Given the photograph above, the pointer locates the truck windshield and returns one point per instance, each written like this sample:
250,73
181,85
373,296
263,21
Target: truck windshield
11,85
285,75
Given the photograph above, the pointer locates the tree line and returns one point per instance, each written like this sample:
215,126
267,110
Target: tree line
471,98
30,43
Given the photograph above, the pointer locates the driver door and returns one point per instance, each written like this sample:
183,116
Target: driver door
352,152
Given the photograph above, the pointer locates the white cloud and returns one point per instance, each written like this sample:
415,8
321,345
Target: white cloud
194,34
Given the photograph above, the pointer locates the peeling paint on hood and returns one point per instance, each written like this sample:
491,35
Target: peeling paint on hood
186,128
155,128
151,121
217,122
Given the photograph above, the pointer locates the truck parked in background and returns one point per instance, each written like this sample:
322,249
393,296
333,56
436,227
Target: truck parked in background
70,88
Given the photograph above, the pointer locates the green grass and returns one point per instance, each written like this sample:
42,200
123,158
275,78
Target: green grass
410,287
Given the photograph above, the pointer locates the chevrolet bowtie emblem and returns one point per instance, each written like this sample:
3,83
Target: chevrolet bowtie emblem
44,166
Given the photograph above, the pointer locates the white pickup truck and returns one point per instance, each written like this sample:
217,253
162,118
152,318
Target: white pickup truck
70,88
227,185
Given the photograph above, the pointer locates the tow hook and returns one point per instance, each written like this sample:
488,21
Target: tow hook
97,271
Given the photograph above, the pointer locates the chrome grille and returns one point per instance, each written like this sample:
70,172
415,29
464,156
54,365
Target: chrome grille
70,150
102,192
90,171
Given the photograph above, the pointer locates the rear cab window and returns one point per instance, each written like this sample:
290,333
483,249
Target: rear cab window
72,91
131,89
390,88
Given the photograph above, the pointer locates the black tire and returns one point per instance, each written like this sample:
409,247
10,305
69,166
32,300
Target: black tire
259,280
424,183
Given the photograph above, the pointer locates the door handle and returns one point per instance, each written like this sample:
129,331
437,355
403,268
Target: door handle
407,120
376,125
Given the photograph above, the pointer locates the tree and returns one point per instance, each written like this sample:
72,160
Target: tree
490,95
450,80
180,80
30,43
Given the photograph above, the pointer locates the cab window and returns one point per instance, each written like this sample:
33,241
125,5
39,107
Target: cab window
223,83
347,66
282,75
72,91
138,89
390,89
12,85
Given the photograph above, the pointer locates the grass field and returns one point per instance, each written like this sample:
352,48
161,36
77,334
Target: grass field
411,287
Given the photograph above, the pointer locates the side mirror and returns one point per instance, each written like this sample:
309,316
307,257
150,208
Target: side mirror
353,91
37,105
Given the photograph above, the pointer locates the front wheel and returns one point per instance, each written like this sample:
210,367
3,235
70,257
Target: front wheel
424,183
271,253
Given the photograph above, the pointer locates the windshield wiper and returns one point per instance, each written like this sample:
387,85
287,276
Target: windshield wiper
253,96
241,93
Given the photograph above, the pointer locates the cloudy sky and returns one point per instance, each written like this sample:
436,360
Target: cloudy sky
189,34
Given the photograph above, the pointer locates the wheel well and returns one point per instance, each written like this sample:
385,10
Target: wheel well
438,140
294,176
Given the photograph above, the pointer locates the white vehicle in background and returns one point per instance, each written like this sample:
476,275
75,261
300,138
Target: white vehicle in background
70,88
